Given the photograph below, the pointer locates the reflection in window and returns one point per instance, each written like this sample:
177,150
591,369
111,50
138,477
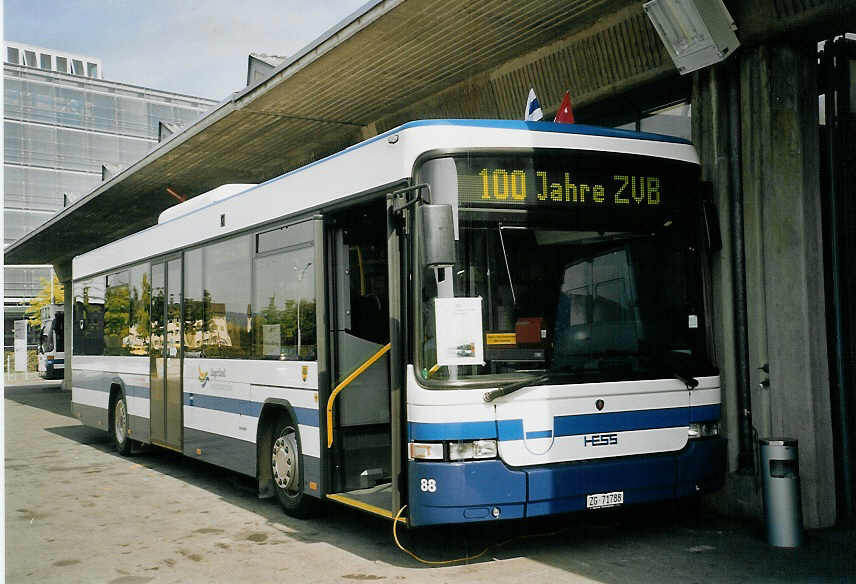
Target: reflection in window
62,64
137,340
45,61
117,314
609,302
217,300
12,55
226,298
194,314
579,306
89,316
284,305
157,311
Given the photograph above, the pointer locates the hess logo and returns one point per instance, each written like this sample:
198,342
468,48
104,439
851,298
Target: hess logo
600,440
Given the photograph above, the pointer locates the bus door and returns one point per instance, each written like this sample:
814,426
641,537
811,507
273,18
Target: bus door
165,363
361,450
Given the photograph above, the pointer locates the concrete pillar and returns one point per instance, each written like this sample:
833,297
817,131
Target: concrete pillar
784,262
63,273
781,183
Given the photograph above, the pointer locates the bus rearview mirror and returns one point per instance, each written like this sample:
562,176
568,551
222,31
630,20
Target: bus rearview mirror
438,235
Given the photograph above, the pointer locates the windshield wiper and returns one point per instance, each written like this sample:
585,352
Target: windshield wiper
514,386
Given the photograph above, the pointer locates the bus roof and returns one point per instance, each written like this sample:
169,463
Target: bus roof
544,127
372,165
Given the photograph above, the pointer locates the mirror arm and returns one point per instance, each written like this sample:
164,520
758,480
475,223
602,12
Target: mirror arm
396,196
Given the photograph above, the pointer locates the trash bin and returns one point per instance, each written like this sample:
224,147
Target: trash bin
781,481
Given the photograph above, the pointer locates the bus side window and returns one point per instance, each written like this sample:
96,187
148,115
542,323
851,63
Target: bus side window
284,305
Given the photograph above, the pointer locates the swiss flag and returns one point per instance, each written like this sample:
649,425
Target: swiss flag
565,115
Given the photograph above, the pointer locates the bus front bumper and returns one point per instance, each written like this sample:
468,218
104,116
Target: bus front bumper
459,492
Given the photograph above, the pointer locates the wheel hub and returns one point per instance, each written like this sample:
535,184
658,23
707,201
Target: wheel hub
284,462
120,421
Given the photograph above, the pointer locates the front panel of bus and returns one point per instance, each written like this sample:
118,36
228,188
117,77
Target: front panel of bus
51,344
578,292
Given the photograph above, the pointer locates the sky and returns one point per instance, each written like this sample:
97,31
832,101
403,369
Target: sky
193,47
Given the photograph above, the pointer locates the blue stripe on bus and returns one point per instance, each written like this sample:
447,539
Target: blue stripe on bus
582,129
705,413
305,416
452,430
565,425
137,391
621,421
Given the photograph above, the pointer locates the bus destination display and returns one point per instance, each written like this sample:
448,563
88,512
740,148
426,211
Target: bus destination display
565,183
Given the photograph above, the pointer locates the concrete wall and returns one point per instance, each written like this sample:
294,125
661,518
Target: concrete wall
784,262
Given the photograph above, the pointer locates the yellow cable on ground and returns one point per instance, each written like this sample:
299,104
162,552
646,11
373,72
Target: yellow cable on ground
466,558
429,562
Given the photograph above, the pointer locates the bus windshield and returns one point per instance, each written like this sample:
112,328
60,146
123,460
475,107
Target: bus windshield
582,266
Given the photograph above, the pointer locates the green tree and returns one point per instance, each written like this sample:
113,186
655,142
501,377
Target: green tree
43,298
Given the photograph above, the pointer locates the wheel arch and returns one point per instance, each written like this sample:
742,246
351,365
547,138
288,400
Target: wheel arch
117,388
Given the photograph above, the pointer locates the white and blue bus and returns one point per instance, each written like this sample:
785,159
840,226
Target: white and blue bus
475,320
51,348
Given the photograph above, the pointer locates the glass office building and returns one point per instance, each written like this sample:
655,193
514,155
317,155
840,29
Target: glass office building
62,123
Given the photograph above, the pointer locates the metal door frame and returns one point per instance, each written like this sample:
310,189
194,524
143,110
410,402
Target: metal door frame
161,441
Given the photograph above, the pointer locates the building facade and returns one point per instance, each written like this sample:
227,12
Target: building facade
64,126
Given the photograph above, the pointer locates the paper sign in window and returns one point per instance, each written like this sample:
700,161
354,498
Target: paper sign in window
459,331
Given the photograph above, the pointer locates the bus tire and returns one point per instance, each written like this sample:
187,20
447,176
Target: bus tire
119,424
286,462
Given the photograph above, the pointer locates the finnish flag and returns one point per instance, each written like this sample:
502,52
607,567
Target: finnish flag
533,111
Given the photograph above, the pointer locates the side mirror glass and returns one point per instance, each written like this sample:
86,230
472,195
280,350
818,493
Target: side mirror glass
438,235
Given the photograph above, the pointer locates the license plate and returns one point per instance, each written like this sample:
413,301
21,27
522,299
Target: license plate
600,500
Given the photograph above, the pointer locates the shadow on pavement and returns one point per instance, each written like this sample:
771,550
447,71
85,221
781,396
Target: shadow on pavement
45,395
663,543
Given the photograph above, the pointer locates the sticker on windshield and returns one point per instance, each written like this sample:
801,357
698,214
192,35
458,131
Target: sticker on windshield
459,331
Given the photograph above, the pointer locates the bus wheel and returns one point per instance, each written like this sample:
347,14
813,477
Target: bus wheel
287,470
119,424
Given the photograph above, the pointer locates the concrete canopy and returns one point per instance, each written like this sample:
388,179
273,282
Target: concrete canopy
389,62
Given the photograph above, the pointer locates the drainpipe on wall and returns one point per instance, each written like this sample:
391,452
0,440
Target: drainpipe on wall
746,449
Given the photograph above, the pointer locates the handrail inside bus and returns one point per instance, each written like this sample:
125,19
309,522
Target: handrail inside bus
345,383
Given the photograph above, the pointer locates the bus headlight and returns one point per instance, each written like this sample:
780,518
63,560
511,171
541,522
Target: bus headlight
477,449
703,429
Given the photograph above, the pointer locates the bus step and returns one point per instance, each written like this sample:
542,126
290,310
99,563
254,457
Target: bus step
376,500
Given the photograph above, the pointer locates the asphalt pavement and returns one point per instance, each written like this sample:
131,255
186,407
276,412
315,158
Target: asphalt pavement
75,511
